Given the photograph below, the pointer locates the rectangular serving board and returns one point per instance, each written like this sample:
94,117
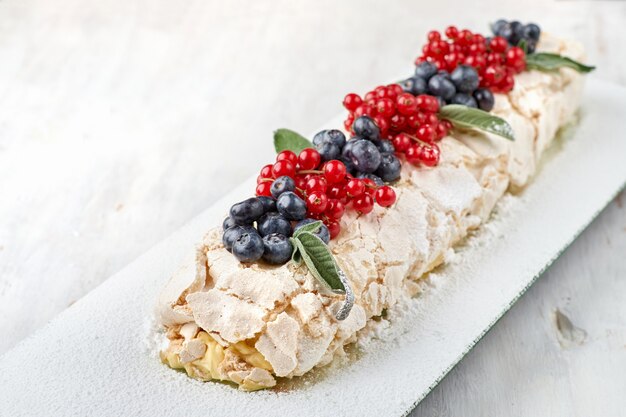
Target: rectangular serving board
97,358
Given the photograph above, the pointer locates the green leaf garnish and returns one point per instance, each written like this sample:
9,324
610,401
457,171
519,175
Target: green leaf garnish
288,140
470,118
546,61
312,227
318,259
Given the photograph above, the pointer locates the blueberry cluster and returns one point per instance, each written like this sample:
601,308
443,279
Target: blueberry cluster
515,32
275,218
366,155
461,86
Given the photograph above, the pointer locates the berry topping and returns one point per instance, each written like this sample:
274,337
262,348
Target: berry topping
334,171
247,211
316,202
484,98
287,156
276,249
465,79
389,168
291,206
284,168
365,156
232,234
269,204
274,223
385,196
363,204
366,128
309,158
228,223
248,247
281,185
464,99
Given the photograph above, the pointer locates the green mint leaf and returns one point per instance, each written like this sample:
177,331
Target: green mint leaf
464,117
295,255
311,228
285,139
545,61
319,260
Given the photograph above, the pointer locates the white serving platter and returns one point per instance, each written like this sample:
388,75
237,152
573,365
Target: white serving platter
97,358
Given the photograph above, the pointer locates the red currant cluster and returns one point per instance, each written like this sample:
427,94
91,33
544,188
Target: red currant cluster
409,121
495,61
327,188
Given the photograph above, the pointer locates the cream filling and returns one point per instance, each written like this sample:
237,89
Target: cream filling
258,321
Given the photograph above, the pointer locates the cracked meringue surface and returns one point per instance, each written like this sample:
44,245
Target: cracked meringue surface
248,324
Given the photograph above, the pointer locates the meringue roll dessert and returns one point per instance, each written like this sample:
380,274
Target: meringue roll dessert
342,228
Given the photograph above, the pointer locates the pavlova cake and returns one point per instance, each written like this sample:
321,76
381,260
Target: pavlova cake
343,227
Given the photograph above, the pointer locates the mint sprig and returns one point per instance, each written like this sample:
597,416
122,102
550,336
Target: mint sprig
547,61
288,140
464,117
321,264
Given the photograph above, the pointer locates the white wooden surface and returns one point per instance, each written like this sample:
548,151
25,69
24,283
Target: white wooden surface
121,120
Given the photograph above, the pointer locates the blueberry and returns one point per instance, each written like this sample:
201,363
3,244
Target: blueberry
377,180
346,152
246,211
532,32
464,99
276,249
282,184
228,223
384,146
322,233
465,79
389,168
291,206
333,136
232,234
414,85
440,86
505,31
328,151
366,128
517,32
484,99
269,204
444,73
365,156
273,223
248,247
497,26
425,70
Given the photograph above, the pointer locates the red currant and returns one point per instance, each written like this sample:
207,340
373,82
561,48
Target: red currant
316,202
363,110
334,171
385,107
494,74
427,103
498,44
263,189
352,101
429,155
413,154
385,196
266,171
363,204
287,156
401,142
337,192
309,158
334,228
452,32
300,181
355,187
516,58
433,35
335,209
316,183
426,133
382,124
370,186
406,104
282,168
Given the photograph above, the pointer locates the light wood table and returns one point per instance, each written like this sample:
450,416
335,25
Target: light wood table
120,120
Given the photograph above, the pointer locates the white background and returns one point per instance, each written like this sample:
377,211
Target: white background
120,120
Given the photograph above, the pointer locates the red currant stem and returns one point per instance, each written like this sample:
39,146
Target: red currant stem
303,191
419,141
310,171
267,180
